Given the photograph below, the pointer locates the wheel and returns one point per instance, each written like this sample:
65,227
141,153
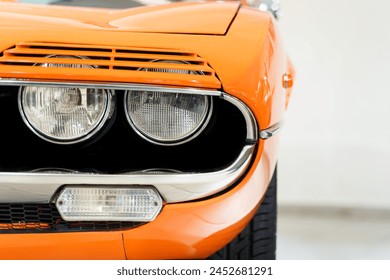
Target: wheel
258,239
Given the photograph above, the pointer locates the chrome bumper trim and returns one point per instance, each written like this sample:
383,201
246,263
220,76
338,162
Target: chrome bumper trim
108,85
270,131
41,187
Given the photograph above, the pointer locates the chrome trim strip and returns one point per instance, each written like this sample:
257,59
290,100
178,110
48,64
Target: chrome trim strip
270,131
108,85
41,187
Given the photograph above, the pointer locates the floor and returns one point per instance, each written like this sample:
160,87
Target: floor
333,234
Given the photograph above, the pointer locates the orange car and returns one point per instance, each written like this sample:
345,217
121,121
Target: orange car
140,133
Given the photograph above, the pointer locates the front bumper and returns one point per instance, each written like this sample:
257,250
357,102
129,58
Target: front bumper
184,230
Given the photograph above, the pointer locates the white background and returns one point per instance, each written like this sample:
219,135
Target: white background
280,270
335,145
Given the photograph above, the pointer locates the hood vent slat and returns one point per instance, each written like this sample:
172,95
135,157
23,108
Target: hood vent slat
116,64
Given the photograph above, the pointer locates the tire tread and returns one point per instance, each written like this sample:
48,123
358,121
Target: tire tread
258,239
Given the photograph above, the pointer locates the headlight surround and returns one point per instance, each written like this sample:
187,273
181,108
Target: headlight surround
64,115
167,118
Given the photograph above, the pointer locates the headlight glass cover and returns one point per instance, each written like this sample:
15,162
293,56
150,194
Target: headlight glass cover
167,118
62,114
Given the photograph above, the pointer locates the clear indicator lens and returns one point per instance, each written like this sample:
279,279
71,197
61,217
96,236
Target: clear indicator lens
166,117
109,204
63,113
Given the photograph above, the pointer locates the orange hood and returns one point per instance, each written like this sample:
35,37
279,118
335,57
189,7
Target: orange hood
180,18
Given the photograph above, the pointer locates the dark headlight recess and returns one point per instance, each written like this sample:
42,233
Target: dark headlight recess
167,118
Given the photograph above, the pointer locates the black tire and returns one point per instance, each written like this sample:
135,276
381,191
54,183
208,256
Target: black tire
258,239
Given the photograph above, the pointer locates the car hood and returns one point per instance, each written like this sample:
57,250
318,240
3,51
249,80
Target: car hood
179,18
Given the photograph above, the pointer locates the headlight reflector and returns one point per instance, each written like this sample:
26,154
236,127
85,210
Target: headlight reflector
138,204
64,114
167,118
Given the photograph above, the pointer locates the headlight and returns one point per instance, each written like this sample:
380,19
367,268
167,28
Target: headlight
167,118
64,115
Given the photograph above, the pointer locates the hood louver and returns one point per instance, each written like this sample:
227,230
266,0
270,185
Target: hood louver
156,66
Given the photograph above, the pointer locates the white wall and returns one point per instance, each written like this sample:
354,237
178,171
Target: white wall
335,146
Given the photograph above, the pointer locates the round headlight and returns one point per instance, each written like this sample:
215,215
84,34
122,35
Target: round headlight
167,118
64,115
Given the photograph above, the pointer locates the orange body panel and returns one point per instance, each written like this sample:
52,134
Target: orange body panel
88,245
249,62
187,18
